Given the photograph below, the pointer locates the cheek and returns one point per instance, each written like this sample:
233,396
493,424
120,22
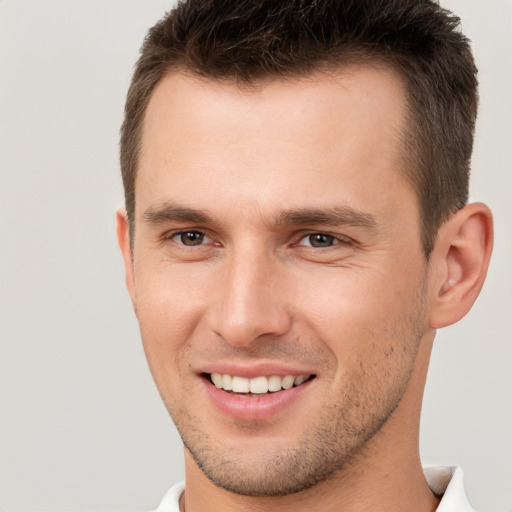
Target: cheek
170,306
170,295
343,299
361,315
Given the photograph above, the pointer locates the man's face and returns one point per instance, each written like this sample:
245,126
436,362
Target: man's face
276,240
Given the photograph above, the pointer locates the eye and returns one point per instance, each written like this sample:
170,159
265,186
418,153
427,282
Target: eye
190,238
319,240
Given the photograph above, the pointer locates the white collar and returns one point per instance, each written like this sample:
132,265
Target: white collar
443,481
447,482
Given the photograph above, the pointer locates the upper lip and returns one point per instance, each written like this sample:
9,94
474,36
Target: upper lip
251,370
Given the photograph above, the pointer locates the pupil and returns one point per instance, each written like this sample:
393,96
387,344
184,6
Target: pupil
192,238
321,240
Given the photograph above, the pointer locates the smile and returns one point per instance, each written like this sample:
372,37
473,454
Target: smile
257,385
256,397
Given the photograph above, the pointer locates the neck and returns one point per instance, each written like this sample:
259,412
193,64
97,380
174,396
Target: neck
387,475
400,491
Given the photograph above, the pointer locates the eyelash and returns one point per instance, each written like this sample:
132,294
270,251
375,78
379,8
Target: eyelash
175,235
335,239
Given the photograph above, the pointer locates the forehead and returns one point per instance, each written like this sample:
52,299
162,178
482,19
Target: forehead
354,97
325,136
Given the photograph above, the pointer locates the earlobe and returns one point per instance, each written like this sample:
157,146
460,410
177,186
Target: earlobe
123,239
459,263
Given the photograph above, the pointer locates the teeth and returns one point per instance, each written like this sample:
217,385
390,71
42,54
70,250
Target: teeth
287,382
299,380
217,379
227,382
256,385
240,385
274,383
259,385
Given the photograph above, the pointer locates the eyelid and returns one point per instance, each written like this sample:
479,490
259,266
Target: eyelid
174,236
340,239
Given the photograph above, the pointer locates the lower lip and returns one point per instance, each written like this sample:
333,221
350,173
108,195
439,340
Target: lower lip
254,408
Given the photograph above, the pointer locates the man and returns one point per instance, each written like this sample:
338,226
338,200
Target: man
296,229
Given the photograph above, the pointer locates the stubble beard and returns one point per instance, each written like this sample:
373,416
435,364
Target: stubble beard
325,450
335,441
319,456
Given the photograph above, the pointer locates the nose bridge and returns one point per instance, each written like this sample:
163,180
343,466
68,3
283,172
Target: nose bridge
253,300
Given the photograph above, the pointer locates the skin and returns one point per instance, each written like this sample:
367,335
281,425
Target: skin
244,171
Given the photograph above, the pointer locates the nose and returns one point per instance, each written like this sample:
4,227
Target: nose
252,300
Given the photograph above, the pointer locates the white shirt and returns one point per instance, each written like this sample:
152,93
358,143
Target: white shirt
445,481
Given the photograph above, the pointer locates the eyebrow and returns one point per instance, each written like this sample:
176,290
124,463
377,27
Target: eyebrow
170,212
339,216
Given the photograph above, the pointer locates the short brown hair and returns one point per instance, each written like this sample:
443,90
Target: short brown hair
248,40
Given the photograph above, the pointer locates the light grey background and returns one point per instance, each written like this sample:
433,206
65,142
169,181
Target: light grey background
81,425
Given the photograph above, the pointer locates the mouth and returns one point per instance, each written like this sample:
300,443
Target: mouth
257,386
252,397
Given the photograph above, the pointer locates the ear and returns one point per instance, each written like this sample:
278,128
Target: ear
459,264
123,238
